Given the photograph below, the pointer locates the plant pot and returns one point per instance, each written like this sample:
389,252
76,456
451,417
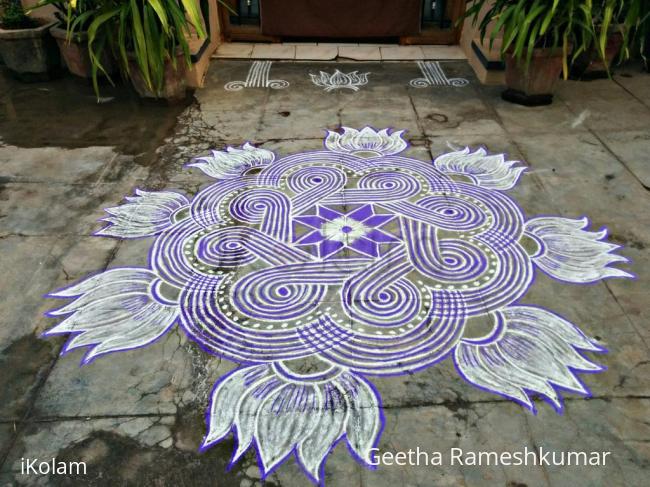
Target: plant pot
75,53
30,54
533,85
174,85
589,66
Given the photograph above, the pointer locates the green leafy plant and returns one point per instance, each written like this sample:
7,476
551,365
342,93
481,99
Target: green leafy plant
629,18
14,16
573,26
149,32
636,32
76,15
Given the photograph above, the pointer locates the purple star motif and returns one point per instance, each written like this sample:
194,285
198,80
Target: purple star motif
360,229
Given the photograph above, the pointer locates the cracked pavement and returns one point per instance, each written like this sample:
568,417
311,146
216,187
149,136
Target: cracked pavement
137,417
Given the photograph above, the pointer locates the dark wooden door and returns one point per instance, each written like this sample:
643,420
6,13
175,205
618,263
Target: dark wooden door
435,24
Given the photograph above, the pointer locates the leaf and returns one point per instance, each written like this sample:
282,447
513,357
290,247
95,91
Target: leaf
140,44
195,17
155,51
95,55
162,14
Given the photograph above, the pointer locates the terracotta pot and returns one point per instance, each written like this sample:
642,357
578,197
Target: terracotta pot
30,54
589,65
534,84
174,85
612,49
75,53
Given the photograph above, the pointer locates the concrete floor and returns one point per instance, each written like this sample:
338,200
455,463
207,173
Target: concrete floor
137,418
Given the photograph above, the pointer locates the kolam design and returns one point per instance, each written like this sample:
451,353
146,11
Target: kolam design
320,270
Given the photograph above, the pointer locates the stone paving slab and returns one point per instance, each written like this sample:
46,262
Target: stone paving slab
137,417
172,374
631,148
149,440
313,51
73,166
598,104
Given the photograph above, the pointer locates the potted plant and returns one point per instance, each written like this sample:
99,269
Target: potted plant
71,33
637,22
26,46
617,26
538,39
148,39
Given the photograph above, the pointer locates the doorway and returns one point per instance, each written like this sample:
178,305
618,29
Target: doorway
361,21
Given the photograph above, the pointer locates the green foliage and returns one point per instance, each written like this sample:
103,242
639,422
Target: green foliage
631,18
14,17
574,26
149,33
636,19
77,13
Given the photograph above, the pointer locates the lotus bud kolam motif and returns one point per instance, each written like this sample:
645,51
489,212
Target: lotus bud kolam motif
320,270
338,80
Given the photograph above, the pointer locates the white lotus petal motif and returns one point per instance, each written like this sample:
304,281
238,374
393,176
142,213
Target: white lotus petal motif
281,426
366,140
365,421
331,422
488,171
282,417
145,214
531,350
338,80
233,162
113,311
570,253
224,399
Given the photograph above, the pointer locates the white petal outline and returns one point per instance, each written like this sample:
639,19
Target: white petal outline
351,141
233,162
529,351
278,433
113,311
366,420
143,215
488,171
328,430
246,413
570,253
221,412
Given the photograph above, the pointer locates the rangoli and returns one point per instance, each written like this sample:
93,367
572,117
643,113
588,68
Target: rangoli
339,80
258,77
320,270
434,75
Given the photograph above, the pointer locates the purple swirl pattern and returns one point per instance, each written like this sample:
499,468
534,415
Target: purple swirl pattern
351,249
